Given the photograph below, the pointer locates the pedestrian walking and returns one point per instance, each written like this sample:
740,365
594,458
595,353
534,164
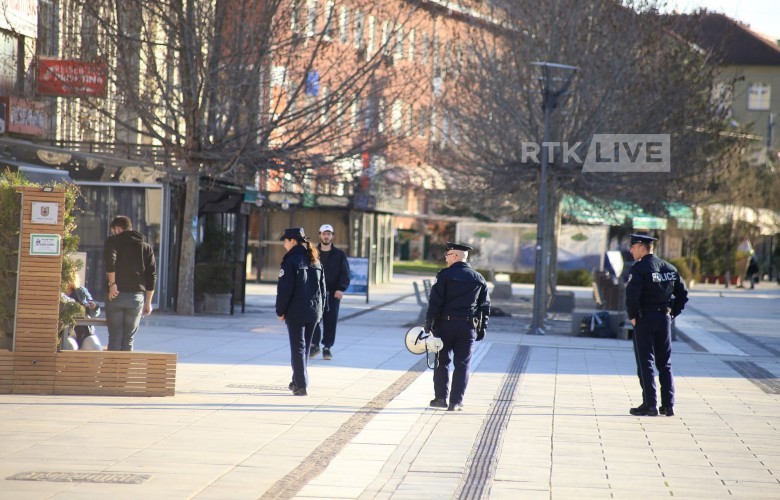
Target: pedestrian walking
655,295
458,311
300,300
336,268
131,271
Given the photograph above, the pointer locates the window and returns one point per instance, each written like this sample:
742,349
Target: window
399,43
759,96
422,121
381,118
434,119
424,48
359,28
385,37
411,44
370,47
295,22
330,21
396,117
344,24
324,106
311,17
340,111
354,116
409,125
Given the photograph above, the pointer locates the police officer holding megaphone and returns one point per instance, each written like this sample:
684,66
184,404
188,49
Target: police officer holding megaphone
458,311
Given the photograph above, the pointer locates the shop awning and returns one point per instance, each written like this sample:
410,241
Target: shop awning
614,213
36,173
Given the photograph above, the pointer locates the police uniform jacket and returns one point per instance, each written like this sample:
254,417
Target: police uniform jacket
336,270
651,285
459,292
300,292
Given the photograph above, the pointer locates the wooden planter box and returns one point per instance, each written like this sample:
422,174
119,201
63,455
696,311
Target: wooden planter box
35,366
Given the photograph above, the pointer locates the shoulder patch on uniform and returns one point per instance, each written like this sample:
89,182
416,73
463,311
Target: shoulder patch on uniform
629,278
281,272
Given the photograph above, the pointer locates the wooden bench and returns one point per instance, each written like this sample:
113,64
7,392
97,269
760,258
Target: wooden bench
35,366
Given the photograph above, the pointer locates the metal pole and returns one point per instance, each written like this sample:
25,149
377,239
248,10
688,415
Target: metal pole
543,243
541,259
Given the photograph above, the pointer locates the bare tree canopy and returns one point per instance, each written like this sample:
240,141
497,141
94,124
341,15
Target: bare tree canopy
638,74
224,89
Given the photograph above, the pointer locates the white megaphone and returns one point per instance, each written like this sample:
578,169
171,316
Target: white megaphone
418,341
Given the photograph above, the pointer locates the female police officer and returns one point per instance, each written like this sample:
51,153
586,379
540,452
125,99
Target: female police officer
300,299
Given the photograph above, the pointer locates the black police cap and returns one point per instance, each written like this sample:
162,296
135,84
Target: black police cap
293,233
458,246
642,238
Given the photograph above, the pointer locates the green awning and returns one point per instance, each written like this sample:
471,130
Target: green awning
618,213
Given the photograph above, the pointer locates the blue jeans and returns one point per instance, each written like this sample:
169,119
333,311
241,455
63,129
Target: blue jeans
300,342
123,315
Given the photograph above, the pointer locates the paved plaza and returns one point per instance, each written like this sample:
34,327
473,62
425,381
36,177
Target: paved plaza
545,416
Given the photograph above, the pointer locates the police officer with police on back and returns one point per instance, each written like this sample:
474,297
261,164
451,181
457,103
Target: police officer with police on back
458,311
655,295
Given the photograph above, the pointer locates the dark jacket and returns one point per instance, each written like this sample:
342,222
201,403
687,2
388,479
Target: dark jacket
131,258
651,285
336,269
461,292
83,297
300,292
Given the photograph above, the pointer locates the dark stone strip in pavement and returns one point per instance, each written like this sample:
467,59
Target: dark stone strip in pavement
481,466
319,459
374,308
694,345
741,335
761,378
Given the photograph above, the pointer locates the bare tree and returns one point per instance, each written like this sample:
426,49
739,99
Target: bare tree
223,89
637,74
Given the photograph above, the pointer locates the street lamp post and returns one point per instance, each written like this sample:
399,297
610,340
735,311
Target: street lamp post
550,96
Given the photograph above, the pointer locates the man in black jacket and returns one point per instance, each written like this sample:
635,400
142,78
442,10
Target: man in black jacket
334,262
131,272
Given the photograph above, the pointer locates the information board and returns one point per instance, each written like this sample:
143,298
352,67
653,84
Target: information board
358,276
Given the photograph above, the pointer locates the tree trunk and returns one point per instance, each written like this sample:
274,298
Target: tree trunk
185,297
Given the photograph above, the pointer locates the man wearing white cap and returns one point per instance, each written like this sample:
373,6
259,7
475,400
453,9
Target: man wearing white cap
334,262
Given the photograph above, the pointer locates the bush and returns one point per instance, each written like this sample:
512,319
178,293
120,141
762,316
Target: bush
683,269
575,277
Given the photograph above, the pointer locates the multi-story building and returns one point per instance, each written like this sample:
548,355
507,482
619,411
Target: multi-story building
364,79
752,61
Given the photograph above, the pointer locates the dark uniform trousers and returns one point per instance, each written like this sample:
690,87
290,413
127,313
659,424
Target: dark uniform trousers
458,336
653,343
300,342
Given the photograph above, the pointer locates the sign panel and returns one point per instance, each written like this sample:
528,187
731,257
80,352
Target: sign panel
27,117
44,244
67,78
45,213
358,275
20,16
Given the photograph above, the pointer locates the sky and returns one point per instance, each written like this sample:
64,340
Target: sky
763,16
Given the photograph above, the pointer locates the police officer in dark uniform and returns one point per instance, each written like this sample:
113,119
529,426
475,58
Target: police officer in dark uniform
458,311
655,295
300,301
